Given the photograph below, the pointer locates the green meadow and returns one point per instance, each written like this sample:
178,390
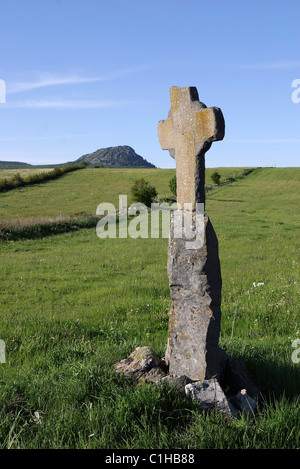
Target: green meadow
9,173
77,193
72,305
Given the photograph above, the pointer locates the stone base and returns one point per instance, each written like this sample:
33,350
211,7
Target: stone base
235,395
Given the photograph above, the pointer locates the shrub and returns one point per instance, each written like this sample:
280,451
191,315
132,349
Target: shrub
248,171
33,179
173,185
36,229
56,172
143,192
6,185
216,177
18,181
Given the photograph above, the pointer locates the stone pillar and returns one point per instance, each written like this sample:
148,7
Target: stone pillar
193,266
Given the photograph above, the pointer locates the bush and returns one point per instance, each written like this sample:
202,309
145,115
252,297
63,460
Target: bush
57,172
143,192
18,181
6,185
33,179
41,228
173,185
248,171
216,177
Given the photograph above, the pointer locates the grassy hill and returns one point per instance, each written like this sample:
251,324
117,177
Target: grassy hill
83,191
9,173
14,165
72,305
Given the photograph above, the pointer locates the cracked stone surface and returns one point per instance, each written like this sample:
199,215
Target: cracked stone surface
195,314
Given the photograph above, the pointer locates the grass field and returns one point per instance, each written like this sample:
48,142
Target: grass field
9,173
75,193
72,305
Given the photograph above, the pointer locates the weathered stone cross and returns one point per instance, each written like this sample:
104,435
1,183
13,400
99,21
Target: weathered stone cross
188,132
194,274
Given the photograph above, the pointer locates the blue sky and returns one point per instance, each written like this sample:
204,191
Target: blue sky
87,74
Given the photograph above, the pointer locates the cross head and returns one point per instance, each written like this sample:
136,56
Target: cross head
188,133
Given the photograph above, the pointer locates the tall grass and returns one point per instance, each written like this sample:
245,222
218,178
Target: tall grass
18,181
72,305
36,228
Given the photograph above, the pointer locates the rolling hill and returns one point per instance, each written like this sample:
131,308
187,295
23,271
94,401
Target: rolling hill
14,165
112,157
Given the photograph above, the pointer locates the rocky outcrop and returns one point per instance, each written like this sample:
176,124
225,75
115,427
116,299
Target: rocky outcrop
120,156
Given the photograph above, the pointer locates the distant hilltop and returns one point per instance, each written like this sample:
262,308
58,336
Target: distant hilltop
111,157
14,165
121,156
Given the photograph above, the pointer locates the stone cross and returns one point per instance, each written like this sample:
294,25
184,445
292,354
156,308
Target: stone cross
194,274
187,133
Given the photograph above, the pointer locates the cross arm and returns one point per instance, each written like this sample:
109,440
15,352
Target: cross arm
209,125
165,135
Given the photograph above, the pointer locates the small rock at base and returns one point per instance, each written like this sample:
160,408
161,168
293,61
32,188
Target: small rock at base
177,382
208,394
141,360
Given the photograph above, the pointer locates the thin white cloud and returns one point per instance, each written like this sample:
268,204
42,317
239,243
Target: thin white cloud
19,87
47,79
